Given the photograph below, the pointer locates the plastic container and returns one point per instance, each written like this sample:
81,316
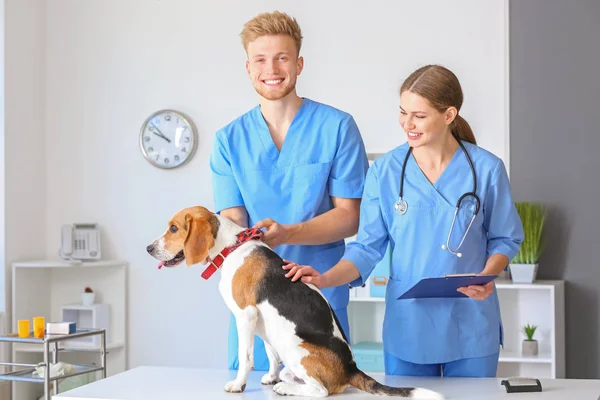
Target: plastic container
369,356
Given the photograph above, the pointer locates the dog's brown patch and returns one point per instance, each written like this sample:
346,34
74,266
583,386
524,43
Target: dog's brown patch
326,367
246,280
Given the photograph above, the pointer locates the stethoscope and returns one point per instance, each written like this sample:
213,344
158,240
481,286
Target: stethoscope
401,206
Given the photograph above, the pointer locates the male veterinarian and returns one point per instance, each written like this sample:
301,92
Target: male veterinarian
291,165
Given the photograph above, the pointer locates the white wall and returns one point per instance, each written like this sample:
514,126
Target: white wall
110,63
3,295
3,285
24,152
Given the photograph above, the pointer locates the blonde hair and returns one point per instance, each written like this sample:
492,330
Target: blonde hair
442,89
274,23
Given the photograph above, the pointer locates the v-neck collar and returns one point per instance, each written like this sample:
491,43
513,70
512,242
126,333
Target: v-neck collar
291,137
438,185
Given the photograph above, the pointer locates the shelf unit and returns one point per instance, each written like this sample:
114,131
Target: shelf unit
21,372
540,303
42,288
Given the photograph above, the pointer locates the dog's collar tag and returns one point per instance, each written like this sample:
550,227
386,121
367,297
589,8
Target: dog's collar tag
242,237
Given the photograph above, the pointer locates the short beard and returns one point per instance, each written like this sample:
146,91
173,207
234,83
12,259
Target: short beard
276,95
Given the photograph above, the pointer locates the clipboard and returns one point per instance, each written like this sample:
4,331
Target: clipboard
445,287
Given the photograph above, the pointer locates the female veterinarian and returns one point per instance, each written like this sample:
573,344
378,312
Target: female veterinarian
409,202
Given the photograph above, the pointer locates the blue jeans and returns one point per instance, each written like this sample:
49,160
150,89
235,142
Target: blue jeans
261,361
479,367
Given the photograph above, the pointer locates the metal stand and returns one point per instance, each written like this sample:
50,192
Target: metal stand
26,375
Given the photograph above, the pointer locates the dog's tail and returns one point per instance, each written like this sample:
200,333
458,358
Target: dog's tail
364,382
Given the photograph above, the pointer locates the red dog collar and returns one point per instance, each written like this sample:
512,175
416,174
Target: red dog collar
242,237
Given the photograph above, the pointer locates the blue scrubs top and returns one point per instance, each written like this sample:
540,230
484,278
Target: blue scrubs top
323,155
436,330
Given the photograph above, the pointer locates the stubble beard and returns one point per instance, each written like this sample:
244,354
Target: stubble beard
278,95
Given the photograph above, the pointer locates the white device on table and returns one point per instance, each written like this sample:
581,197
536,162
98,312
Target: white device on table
80,242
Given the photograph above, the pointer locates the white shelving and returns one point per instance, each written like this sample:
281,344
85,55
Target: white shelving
95,316
508,356
540,303
43,288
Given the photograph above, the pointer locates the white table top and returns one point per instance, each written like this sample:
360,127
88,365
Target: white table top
154,383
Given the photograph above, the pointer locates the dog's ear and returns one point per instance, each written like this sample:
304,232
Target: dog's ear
198,240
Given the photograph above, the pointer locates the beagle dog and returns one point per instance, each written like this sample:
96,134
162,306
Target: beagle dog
294,319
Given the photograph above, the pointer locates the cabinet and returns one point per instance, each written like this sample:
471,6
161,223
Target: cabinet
49,288
540,303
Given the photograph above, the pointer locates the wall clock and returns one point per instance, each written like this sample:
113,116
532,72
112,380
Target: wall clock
168,139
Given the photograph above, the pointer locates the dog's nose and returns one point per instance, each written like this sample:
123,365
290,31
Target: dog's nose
150,248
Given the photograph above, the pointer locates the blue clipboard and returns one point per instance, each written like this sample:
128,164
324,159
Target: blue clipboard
445,287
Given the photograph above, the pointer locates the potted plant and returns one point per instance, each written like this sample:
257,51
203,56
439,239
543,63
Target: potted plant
523,268
530,345
87,297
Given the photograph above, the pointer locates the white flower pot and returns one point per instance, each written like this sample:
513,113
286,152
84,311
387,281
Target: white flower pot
523,273
530,348
87,299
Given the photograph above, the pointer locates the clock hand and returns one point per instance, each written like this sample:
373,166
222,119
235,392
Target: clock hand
160,134
163,136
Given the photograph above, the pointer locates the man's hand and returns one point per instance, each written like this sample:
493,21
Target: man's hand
305,273
478,292
332,226
276,234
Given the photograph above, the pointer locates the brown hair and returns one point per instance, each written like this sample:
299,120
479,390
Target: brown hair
275,23
441,88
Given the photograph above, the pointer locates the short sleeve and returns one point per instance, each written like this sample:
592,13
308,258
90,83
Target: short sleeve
226,191
372,239
350,165
502,222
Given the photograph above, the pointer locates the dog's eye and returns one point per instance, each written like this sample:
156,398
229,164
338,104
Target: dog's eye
173,229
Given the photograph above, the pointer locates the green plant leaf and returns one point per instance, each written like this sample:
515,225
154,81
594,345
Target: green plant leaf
529,331
533,218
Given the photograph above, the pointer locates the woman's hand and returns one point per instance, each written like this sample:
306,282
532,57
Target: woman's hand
305,273
478,292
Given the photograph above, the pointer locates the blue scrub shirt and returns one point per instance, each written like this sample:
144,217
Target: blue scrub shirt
323,156
431,331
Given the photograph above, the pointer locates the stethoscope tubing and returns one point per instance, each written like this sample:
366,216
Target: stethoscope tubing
401,206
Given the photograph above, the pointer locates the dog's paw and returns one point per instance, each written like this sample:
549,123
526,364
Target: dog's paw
235,387
269,379
282,388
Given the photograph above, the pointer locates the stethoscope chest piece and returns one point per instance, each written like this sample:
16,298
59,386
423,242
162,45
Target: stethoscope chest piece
401,206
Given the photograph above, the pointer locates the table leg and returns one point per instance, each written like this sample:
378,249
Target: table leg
103,353
54,361
47,371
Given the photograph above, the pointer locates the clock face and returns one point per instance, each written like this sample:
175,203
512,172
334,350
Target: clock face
168,139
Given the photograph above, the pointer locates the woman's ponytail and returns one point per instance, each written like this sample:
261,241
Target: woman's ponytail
462,130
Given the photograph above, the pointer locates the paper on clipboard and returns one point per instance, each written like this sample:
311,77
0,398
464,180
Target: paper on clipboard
445,286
